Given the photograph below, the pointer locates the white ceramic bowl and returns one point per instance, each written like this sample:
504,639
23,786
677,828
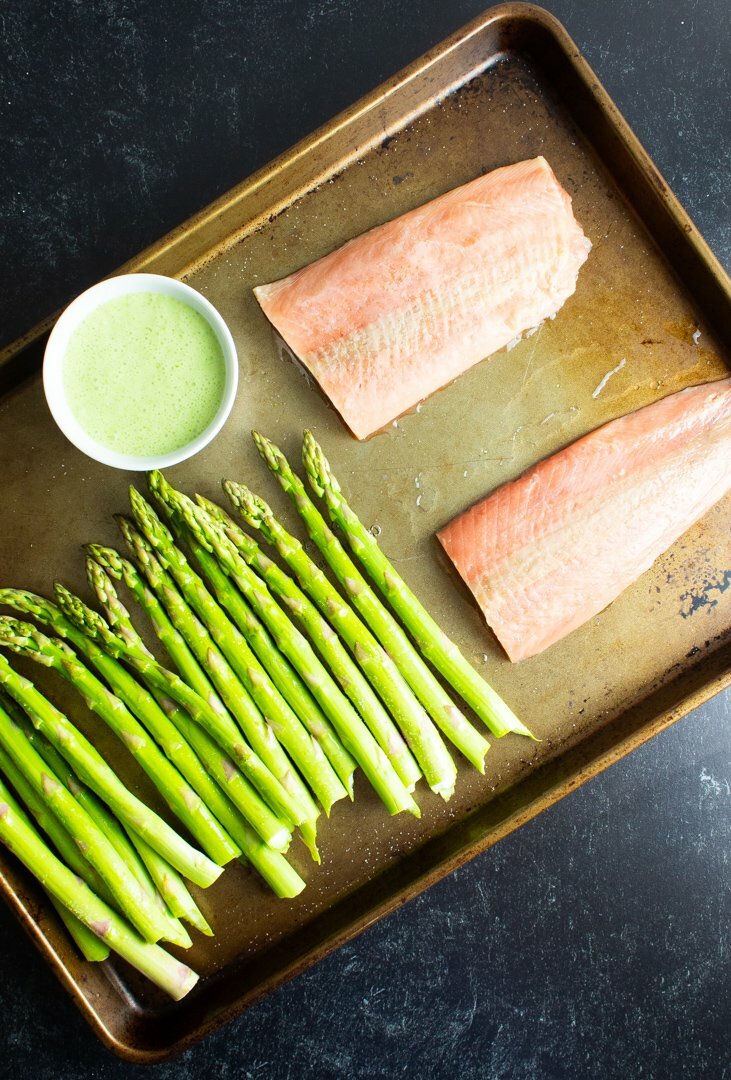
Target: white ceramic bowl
77,311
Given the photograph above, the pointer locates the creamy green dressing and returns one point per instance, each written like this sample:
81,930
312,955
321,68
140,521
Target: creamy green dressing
144,374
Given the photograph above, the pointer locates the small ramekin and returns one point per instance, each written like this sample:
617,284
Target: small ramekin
55,352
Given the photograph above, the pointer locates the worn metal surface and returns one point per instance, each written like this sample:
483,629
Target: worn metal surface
508,87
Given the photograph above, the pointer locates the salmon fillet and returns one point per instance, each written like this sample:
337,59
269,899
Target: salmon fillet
395,314
546,552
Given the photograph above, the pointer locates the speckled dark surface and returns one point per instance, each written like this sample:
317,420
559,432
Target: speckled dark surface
593,943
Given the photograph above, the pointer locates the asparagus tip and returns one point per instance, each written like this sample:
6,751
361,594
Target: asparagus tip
253,509
317,466
272,455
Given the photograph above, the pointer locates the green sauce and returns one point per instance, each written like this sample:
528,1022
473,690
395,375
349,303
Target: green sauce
144,374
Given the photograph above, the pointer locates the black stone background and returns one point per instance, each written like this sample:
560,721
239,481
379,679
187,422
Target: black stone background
595,941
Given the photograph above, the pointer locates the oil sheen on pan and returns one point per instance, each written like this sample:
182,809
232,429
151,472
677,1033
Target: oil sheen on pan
397,313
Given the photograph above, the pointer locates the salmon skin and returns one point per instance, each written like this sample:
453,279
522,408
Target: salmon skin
548,551
404,309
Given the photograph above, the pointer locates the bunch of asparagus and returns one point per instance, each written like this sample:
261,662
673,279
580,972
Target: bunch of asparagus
277,687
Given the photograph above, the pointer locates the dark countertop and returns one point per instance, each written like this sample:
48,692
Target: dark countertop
594,942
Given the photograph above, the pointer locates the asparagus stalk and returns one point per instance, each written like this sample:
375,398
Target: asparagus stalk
370,655
343,667
62,840
161,679
170,885
296,740
91,767
88,943
351,729
433,642
283,675
233,783
47,821
214,664
94,845
139,856
126,845
432,695
238,660
283,879
175,978
183,800
305,752
221,768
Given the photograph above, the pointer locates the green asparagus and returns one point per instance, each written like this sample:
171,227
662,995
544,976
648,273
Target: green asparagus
170,885
130,847
161,678
303,748
432,695
231,780
233,650
351,729
283,675
291,733
66,846
228,779
183,800
143,860
89,764
137,853
92,948
346,671
92,842
164,970
282,878
433,642
368,652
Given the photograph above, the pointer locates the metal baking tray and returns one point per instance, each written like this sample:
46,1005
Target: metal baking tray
508,86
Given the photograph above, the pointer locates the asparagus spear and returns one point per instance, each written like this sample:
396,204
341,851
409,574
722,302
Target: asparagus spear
248,678
161,679
66,846
284,880
46,820
351,729
296,740
432,695
27,640
433,642
94,845
211,659
75,895
345,670
139,856
89,944
306,753
374,660
170,885
130,847
229,779
283,675
92,768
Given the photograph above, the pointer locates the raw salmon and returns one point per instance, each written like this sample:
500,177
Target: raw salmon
393,315
548,551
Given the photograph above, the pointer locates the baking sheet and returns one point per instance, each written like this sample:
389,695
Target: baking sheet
510,86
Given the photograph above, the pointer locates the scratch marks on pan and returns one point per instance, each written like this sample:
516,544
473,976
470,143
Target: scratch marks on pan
529,362
607,377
